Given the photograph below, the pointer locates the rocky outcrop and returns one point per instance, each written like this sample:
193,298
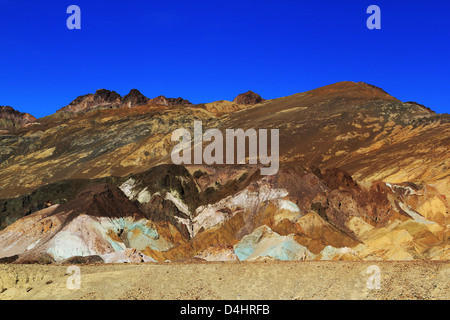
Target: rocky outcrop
12,119
161,100
105,99
218,252
134,98
102,98
83,260
248,98
101,221
420,105
263,242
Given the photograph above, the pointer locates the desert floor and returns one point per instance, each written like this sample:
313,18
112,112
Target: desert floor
234,281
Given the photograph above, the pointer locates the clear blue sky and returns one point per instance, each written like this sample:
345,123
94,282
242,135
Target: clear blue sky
207,50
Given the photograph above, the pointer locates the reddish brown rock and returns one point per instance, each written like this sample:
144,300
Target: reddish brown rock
248,98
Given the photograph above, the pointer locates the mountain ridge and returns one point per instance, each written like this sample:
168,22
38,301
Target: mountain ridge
104,98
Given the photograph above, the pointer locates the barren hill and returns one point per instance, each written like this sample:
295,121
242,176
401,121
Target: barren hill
363,176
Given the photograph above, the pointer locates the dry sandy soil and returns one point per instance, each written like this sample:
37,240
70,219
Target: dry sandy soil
233,281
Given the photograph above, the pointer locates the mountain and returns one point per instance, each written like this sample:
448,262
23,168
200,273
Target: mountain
362,176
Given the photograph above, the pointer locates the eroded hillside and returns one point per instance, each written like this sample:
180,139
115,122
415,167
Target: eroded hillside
363,176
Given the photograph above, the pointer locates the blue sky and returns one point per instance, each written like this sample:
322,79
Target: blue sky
209,50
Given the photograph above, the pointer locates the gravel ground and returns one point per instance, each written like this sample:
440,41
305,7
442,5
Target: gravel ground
230,281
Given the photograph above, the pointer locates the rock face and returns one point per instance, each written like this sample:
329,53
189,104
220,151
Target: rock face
13,119
248,98
356,182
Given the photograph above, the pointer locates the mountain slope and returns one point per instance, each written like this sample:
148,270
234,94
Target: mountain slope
362,176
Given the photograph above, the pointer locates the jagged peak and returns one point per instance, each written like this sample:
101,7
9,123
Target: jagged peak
134,98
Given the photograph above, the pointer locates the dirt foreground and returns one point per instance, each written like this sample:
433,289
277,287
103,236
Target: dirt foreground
229,281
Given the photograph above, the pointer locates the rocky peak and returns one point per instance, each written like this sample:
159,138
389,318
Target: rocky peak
106,96
177,101
248,98
134,98
11,118
102,98
162,100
